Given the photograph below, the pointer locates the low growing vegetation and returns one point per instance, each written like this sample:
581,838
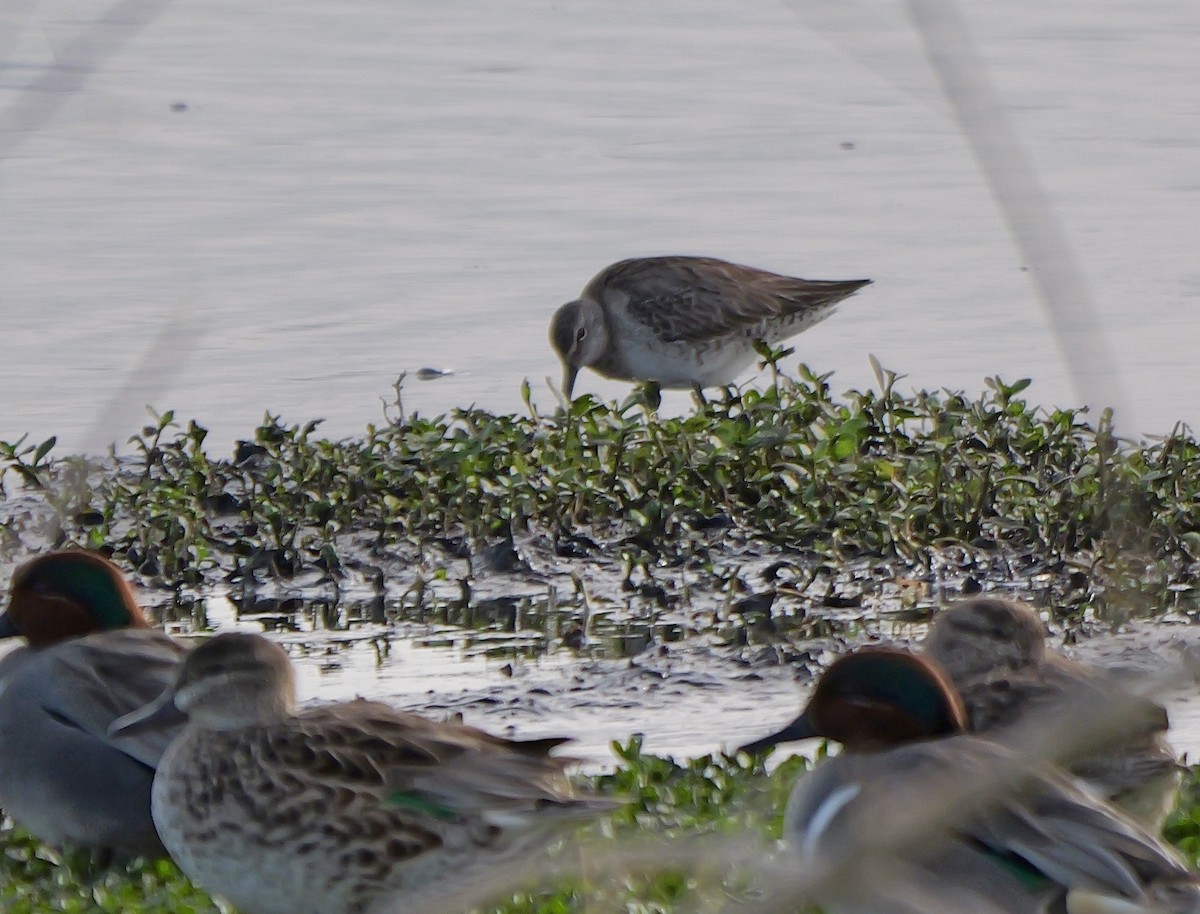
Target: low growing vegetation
824,480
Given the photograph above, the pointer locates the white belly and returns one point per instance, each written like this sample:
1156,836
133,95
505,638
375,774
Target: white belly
684,365
643,356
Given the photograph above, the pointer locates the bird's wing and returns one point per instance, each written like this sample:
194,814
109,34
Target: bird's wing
1046,819
89,682
1003,697
431,770
977,794
695,299
1145,716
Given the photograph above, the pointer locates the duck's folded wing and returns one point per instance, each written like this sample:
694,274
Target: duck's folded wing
89,682
1001,703
1078,841
978,792
505,782
1128,770
1141,716
442,770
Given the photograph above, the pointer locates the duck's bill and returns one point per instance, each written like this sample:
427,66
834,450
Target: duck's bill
158,715
568,385
798,729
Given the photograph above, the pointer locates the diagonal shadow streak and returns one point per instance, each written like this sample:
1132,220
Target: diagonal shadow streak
78,59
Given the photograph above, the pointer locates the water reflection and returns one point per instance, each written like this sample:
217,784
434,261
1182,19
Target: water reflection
531,664
499,628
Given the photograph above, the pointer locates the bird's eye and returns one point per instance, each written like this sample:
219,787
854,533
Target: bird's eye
580,334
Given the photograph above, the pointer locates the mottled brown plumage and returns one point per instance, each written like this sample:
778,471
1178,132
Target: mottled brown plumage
348,807
995,653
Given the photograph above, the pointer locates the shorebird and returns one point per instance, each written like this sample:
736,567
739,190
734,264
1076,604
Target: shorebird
91,657
994,651
351,807
685,321
916,815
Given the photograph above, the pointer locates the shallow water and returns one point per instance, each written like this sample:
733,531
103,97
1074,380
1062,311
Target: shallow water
689,684
688,697
242,207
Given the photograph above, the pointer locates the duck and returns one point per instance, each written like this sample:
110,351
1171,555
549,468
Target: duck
994,651
916,814
349,807
90,657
